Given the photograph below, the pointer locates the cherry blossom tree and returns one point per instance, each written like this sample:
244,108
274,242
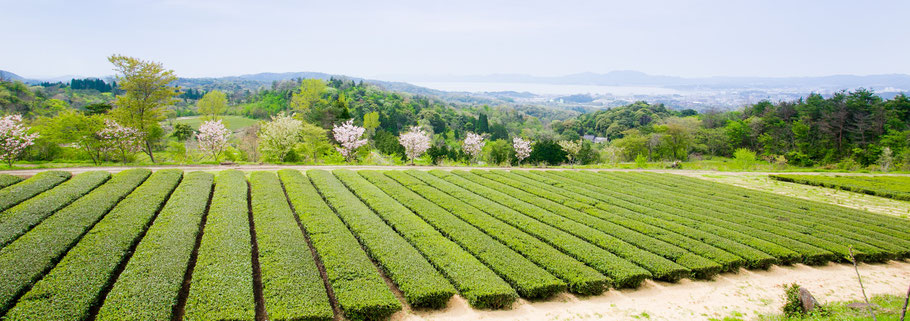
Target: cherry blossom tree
14,138
415,142
522,148
278,137
120,139
473,145
348,136
212,137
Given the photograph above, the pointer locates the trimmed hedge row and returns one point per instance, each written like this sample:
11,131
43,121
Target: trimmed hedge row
7,180
358,287
884,186
754,250
608,207
624,273
809,248
147,288
530,280
292,287
28,188
76,284
222,280
747,213
580,278
20,218
28,258
419,281
726,231
856,224
476,282
661,260
875,246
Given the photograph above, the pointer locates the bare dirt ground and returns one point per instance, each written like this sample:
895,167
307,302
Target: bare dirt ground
747,294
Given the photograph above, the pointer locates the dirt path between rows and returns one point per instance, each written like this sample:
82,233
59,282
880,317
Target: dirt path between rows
747,294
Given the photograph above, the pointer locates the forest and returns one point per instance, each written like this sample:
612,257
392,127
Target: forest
849,130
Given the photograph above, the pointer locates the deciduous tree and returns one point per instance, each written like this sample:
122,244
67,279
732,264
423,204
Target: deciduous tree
146,89
415,142
212,137
14,138
348,136
212,105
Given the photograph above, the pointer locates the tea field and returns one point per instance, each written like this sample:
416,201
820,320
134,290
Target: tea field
316,245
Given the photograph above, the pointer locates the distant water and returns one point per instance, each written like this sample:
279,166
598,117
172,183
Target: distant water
548,89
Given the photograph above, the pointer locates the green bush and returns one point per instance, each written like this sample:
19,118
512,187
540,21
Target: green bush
7,180
878,237
28,188
580,278
292,287
476,282
20,218
164,253
359,289
76,284
537,225
419,281
793,308
222,282
25,260
528,279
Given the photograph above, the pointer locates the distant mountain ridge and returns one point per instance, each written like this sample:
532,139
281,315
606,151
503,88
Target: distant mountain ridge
636,78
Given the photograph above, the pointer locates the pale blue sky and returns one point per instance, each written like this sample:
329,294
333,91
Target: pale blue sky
381,39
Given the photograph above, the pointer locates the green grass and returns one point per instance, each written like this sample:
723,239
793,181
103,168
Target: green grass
233,123
889,307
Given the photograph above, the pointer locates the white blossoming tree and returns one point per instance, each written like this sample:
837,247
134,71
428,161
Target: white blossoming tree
571,148
14,138
522,148
119,139
415,142
278,137
473,145
348,136
212,137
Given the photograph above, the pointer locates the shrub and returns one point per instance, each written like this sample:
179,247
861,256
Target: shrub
793,307
28,188
419,281
476,282
165,253
580,278
28,258
291,285
528,279
20,218
7,180
75,285
222,285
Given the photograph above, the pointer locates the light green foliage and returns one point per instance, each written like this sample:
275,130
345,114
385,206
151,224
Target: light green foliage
145,87
32,255
28,188
528,279
71,289
212,105
419,281
477,283
164,253
308,95
744,158
896,187
73,127
291,285
359,289
19,219
7,180
314,142
222,286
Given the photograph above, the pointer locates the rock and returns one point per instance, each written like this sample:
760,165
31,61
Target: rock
808,301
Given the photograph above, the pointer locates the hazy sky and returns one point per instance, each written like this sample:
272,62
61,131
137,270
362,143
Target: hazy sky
382,39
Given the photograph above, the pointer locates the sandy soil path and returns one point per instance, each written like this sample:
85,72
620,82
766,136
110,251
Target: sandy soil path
747,293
